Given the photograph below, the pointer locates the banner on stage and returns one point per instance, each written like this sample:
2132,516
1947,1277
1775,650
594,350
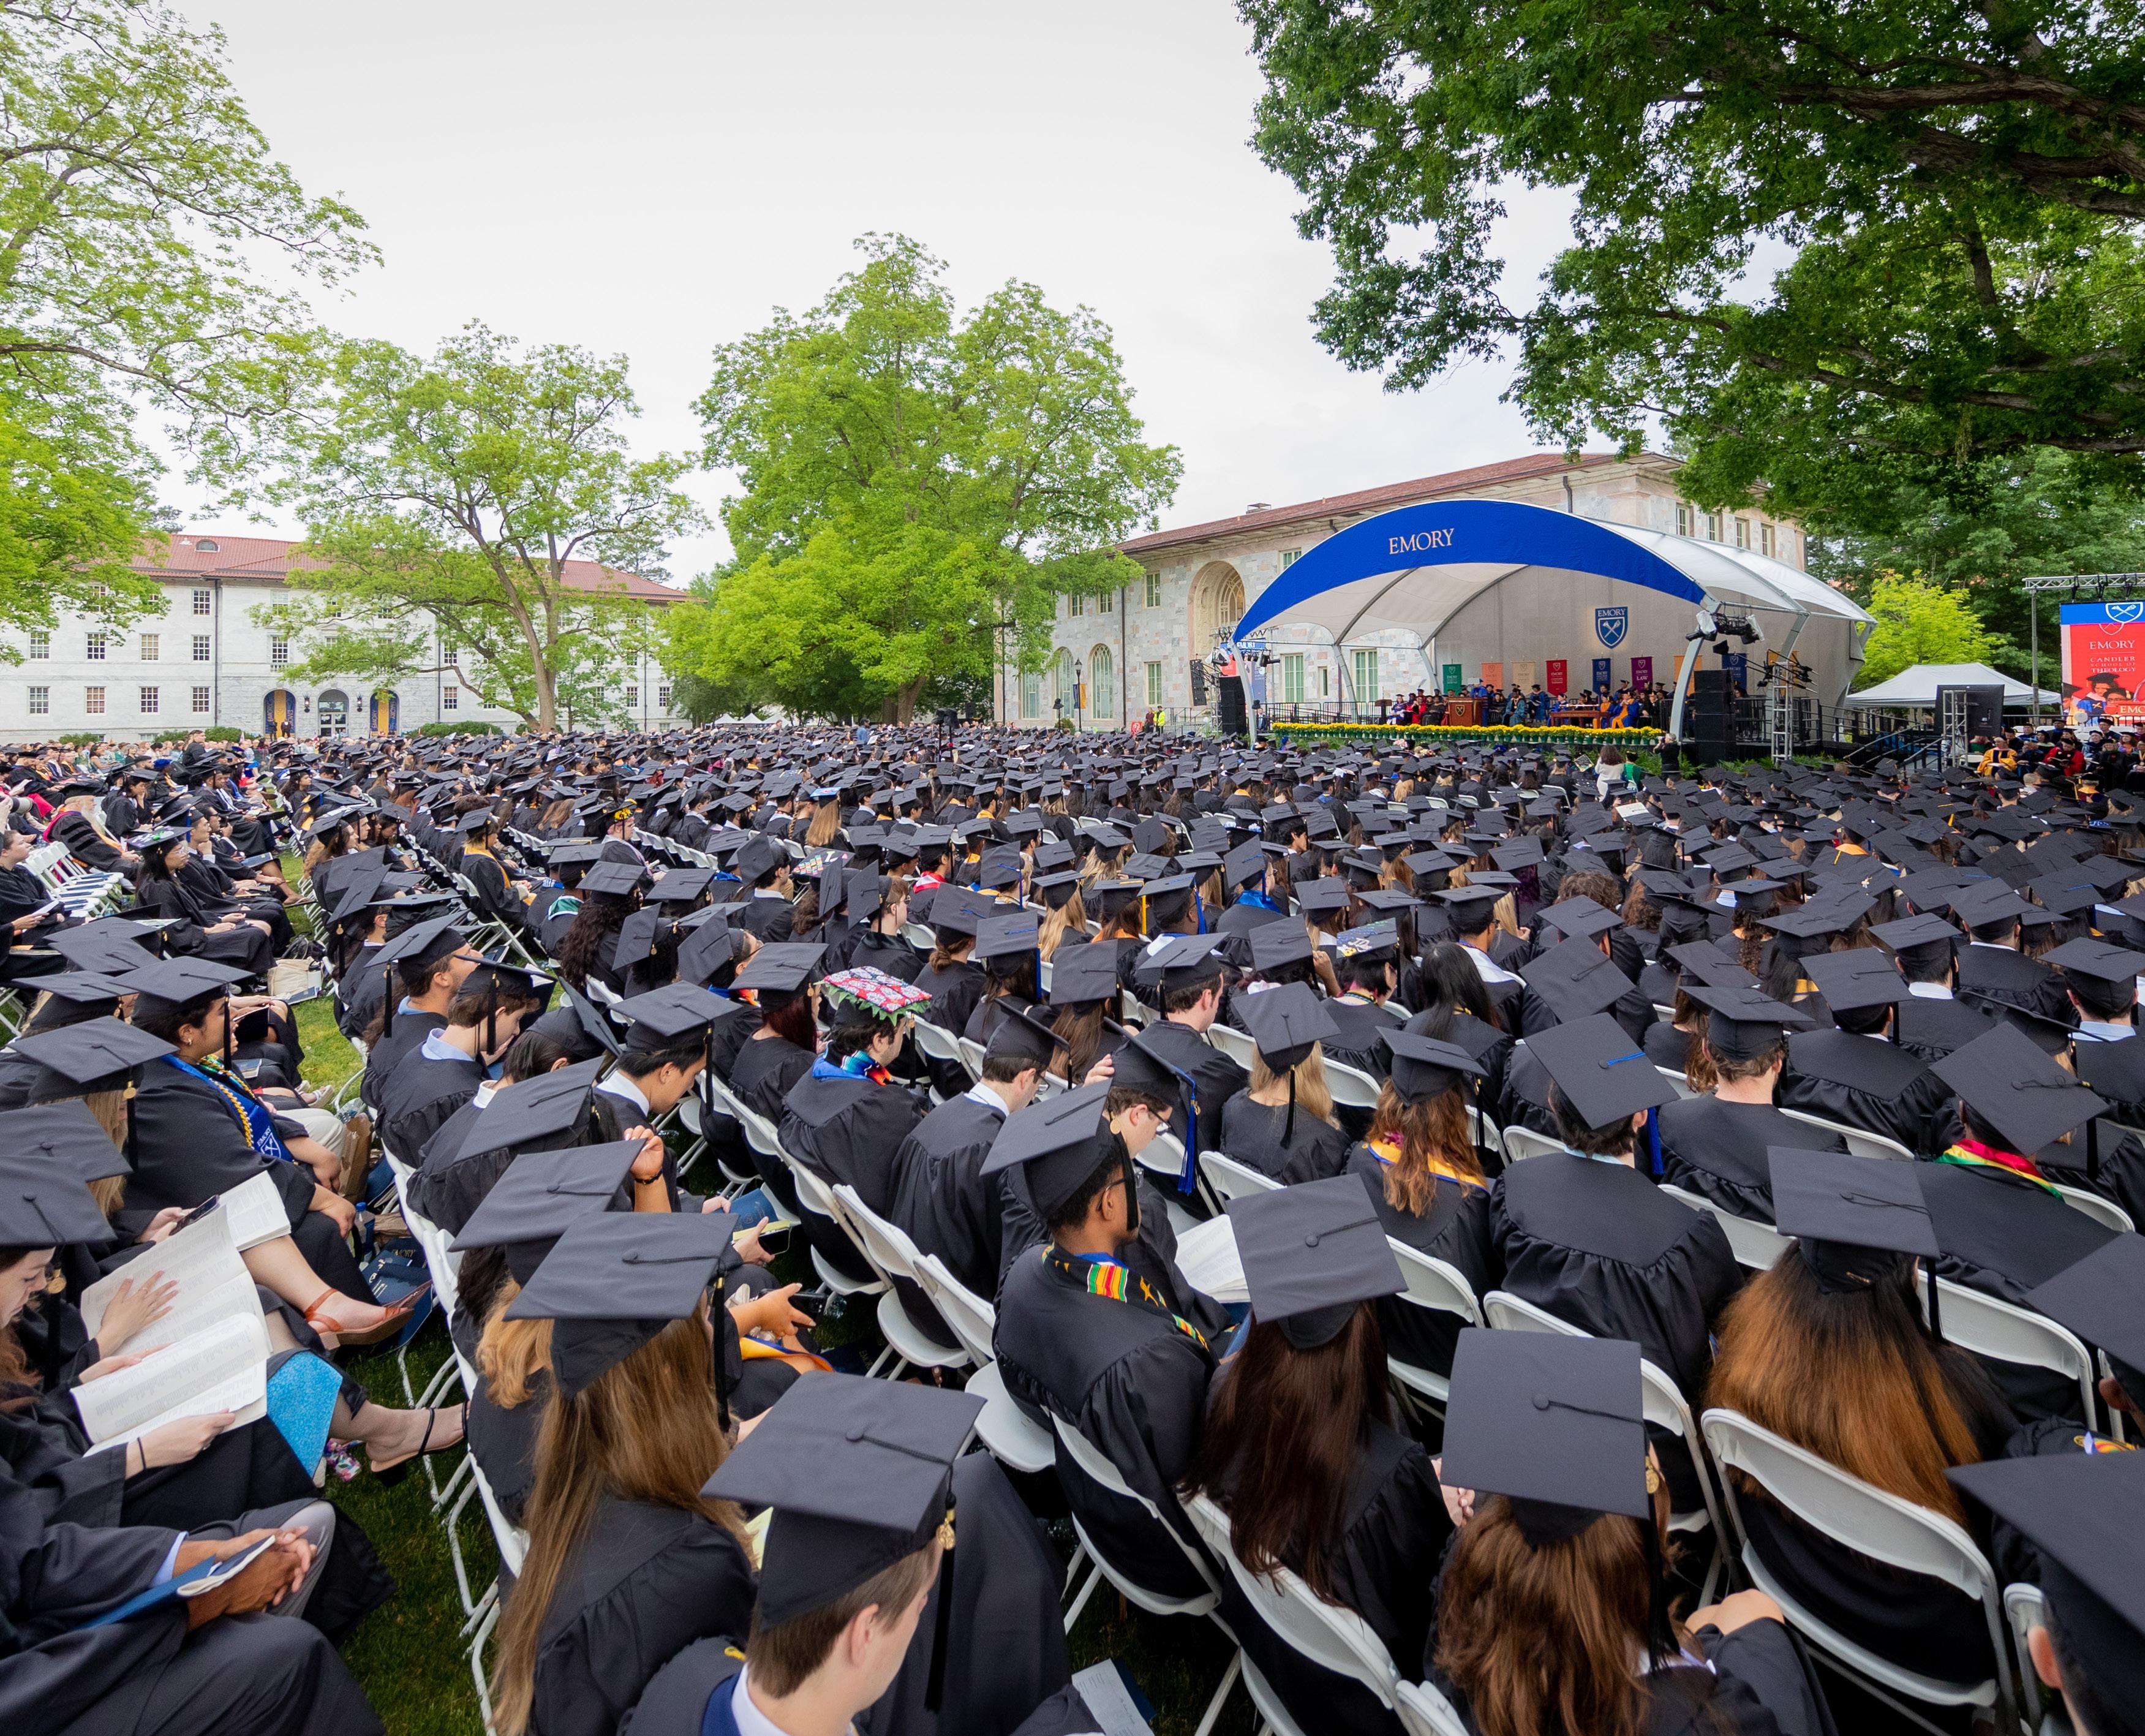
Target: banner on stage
1602,679
1642,672
1455,681
1559,680
1493,674
1524,674
2103,662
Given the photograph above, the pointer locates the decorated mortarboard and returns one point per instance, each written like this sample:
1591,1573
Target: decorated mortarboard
859,1475
1059,1143
546,1107
785,968
1311,1255
874,992
1372,942
1575,979
1554,1424
1425,1067
614,1281
2012,1087
1742,1024
614,879
1083,973
541,1194
1602,1074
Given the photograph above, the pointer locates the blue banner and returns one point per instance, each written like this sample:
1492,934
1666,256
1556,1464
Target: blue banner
1601,676
1738,665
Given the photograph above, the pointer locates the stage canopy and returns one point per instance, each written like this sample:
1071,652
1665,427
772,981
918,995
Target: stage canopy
1918,685
1419,570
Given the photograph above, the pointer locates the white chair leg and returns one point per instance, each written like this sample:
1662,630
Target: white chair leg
1080,1603
476,1664
1220,1693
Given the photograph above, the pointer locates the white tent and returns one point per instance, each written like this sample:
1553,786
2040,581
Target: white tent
1918,685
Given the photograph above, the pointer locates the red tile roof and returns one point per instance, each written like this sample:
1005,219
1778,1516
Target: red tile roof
1372,500
269,558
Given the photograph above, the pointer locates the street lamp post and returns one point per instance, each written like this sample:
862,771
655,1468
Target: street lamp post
1078,695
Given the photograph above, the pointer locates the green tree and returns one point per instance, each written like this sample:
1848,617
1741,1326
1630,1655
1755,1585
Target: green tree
473,489
151,249
1919,622
919,486
1958,188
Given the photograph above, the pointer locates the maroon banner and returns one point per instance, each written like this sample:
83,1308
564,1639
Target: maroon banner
1557,681
1642,672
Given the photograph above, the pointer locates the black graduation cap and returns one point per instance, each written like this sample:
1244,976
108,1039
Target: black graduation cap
59,1136
614,879
2102,1298
782,968
1580,917
1864,977
545,1108
97,948
1424,1067
1056,889
2097,960
1709,965
1026,1036
171,983
2083,1512
422,943
1602,1074
1179,961
1917,938
506,977
1059,1141
1275,945
94,1054
1988,902
541,1194
1470,905
1575,979
475,820
1312,1254
680,886
1082,973
1244,866
1522,852
2014,1088
1325,896
1745,1023
84,989
859,1474
615,1281
1008,936
1555,1424
676,1010
1853,1202
1284,1022
706,950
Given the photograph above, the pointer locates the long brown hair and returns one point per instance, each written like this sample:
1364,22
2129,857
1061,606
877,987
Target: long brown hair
19,1385
645,1430
1541,1639
1432,1130
511,1353
826,822
1080,1030
1285,1429
1851,1376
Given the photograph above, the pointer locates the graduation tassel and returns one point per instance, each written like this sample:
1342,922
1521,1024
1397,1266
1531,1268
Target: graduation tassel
934,1685
2092,1150
1288,1127
1199,912
1936,1319
1653,1139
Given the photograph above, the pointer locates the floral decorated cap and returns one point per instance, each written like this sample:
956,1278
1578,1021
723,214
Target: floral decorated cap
875,993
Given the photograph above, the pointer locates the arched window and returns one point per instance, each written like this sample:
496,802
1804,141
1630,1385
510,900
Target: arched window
1102,683
1031,693
1060,682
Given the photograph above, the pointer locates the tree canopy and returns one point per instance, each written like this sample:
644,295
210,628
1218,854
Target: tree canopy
489,490
1956,189
1919,622
152,252
918,487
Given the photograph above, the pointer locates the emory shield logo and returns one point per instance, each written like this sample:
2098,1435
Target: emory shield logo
1609,625
2126,611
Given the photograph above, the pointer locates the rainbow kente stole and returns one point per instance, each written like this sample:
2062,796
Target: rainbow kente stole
1972,1154
1115,1281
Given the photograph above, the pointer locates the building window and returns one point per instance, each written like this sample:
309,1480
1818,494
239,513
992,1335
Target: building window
1076,605
41,647
207,545
632,696
1107,603
201,701
93,701
153,647
1683,518
279,652
1713,527
1765,543
1153,683
201,603
451,698
1366,678
451,657
1102,682
1031,695
1325,681
149,702
201,651
1292,677
93,647
1289,557
1742,533
41,701
1154,590
663,698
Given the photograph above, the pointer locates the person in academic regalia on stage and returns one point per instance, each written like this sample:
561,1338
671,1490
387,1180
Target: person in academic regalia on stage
1083,1334
1715,1145
1300,1448
1283,1127
1587,1236
1829,1349
1418,1164
628,1562
1856,1074
1554,1617
443,1072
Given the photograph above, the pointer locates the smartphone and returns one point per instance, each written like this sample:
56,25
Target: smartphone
814,1305
198,1213
773,1238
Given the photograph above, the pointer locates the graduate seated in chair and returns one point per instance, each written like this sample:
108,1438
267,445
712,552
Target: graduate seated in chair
1284,1126
443,1072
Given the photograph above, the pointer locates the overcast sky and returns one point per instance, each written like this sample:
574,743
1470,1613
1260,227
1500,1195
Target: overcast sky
653,177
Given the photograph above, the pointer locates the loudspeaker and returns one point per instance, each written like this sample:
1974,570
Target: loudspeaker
1708,681
1198,681
1984,709
1232,719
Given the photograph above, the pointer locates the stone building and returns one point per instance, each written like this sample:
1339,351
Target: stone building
1118,655
203,662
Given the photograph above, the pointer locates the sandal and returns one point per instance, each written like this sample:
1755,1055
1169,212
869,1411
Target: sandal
396,1318
395,1469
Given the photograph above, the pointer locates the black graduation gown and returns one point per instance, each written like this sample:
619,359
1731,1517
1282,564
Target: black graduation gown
733,1030
847,1129
1866,1082
766,918
359,992
1217,1078
419,1096
1597,1244
889,952
764,1070
647,1582
953,991
1667,1047
1490,1049
2118,1174
246,949
1999,974
1524,1102
495,894
83,842
1395,1527
1455,1229
2002,1234
406,1033
505,1442
447,1187
1929,1029
941,1198
1718,1150
1251,1134
1133,1383
1357,1046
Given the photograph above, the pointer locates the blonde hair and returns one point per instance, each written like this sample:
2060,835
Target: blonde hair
511,1353
1314,1096
1070,918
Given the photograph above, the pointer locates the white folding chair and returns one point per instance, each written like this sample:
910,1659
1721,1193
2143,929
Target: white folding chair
1331,1637
1439,1287
819,1201
1426,1712
1005,1430
1872,1523
2100,1211
1990,1326
1521,1141
1225,1179
1681,1084
1353,1088
971,1053
2024,1609
1233,1043
513,1546
1863,1144
1755,1245
939,1043
893,1255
